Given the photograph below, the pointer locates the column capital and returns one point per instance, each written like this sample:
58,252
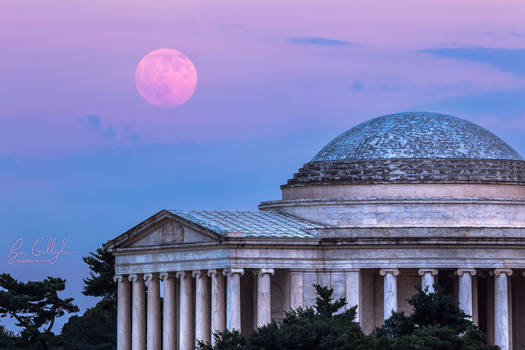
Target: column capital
212,272
119,278
163,276
151,276
196,273
260,272
393,271
135,277
421,272
498,272
227,272
180,274
461,271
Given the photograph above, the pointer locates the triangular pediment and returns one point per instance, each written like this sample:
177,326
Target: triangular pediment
163,229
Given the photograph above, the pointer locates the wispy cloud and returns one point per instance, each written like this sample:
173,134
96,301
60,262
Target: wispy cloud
358,85
94,123
320,41
507,60
518,35
510,103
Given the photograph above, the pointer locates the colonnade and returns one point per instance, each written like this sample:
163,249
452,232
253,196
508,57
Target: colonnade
216,304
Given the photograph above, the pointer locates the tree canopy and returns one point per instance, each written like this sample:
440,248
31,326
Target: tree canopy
100,282
34,305
436,322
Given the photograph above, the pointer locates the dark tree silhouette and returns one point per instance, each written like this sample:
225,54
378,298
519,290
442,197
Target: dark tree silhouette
34,305
100,281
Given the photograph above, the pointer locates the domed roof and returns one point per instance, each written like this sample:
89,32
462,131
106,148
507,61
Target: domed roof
416,135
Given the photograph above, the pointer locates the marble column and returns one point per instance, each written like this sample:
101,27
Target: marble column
186,341
353,291
202,307
138,323
501,308
465,290
153,315
233,298
264,299
390,291
297,289
218,306
169,318
123,313
427,279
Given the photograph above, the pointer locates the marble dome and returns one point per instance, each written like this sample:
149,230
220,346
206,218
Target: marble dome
416,135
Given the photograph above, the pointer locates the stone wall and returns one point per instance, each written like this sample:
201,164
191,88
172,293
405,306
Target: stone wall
402,171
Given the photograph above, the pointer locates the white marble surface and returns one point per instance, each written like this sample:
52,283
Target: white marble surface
169,316
501,308
123,313
138,312
153,314
390,291
233,298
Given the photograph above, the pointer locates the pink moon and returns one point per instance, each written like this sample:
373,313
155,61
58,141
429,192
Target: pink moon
166,78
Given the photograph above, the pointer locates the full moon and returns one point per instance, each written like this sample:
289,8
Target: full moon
166,78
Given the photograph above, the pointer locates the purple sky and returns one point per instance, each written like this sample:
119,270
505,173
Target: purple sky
83,157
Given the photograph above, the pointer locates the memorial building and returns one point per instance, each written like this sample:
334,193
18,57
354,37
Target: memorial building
398,201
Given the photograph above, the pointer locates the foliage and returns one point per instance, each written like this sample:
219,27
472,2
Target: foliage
437,322
96,329
34,305
100,282
319,327
8,340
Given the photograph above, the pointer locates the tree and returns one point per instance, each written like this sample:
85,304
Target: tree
100,282
436,322
8,340
35,305
96,329
320,327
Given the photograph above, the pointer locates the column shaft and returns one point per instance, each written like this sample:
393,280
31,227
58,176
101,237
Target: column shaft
427,279
353,291
218,306
501,308
153,315
465,290
390,291
297,289
169,318
202,307
138,333
186,340
264,300
123,313
233,302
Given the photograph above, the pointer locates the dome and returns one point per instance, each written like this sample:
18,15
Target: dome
416,135
413,148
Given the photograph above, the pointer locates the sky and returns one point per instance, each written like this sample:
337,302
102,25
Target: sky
84,158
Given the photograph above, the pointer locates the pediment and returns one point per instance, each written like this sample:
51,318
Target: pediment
162,229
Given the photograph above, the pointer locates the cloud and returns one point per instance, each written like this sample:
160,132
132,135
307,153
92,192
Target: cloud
506,60
94,123
509,102
317,40
518,35
358,85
